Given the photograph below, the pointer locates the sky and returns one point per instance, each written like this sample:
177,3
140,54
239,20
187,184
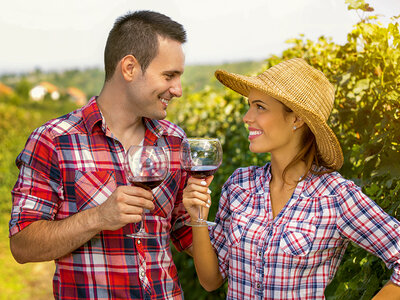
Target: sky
55,35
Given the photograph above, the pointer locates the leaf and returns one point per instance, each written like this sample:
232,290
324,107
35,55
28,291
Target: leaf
389,165
361,85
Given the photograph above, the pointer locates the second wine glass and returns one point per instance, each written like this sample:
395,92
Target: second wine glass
201,157
146,167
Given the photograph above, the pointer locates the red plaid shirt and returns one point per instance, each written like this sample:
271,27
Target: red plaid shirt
296,254
74,163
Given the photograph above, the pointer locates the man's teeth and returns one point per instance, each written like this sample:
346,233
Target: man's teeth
255,132
164,101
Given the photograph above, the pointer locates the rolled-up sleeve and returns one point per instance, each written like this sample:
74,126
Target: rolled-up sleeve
181,235
218,233
36,194
365,223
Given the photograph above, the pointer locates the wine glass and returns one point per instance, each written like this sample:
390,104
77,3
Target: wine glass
200,158
146,167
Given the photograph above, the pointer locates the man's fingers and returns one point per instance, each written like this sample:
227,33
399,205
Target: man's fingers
140,202
138,191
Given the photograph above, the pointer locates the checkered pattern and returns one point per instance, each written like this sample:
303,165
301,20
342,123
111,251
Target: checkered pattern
296,254
74,163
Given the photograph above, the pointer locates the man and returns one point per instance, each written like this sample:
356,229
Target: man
71,202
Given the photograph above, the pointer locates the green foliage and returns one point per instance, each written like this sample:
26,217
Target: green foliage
22,89
366,74
16,123
18,118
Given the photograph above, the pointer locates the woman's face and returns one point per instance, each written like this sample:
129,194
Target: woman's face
270,126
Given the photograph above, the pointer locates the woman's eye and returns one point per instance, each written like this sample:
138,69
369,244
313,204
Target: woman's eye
260,107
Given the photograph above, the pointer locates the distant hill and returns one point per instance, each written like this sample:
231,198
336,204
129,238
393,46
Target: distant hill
196,77
90,81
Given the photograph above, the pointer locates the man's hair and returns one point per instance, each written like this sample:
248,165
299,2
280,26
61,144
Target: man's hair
136,33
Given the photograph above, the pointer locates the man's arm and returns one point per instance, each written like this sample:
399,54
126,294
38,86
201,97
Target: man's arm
48,240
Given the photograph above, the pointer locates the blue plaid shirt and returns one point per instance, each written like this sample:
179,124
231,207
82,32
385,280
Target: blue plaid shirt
296,254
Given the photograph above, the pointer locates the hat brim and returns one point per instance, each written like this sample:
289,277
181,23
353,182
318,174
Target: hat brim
327,142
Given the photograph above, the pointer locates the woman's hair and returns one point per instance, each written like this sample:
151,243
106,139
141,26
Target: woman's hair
137,34
308,153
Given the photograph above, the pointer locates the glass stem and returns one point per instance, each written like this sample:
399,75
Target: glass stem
142,229
200,219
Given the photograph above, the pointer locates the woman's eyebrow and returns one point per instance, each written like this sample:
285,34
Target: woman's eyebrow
255,101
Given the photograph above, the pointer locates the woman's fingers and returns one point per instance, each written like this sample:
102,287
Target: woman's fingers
196,202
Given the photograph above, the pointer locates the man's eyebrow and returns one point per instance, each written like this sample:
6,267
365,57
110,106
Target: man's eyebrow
175,72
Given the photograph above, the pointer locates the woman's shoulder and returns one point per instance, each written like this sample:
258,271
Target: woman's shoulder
247,177
330,183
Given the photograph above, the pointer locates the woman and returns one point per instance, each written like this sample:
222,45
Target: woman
282,229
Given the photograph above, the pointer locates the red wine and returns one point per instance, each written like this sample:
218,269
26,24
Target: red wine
201,171
147,184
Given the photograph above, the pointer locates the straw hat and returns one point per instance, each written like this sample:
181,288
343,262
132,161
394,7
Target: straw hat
305,90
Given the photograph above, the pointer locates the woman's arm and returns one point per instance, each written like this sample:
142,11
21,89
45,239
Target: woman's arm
390,291
205,259
365,223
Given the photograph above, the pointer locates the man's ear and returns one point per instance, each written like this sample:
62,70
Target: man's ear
130,67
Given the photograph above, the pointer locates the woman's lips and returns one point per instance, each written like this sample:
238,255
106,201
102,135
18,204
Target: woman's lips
254,133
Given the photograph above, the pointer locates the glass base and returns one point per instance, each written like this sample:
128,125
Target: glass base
200,223
141,234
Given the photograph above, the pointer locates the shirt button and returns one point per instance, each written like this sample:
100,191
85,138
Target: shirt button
395,226
138,241
258,285
259,253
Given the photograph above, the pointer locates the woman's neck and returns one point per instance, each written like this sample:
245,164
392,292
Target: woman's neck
292,175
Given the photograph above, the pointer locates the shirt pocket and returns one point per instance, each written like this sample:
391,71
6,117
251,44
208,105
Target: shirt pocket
297,238
236,228
93,188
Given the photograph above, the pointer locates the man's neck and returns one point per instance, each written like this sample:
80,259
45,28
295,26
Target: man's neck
126,126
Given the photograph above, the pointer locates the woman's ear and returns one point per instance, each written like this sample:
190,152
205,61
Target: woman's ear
298,122
130,67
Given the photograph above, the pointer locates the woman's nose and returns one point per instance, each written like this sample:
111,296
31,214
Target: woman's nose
247,118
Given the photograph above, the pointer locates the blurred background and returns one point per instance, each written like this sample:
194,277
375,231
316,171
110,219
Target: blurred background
51,62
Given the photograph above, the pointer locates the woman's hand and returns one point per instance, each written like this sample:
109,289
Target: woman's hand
197,194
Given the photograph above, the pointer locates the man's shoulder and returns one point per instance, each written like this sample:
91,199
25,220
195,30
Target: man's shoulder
171,129
67,124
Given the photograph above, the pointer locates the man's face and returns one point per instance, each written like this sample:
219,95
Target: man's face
161,81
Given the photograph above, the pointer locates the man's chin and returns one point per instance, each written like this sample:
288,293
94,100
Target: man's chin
159,116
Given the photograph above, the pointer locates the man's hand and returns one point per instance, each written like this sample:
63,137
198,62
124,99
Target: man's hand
125,205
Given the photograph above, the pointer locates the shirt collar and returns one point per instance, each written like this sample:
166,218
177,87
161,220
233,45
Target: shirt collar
92,116
265,178
154,131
